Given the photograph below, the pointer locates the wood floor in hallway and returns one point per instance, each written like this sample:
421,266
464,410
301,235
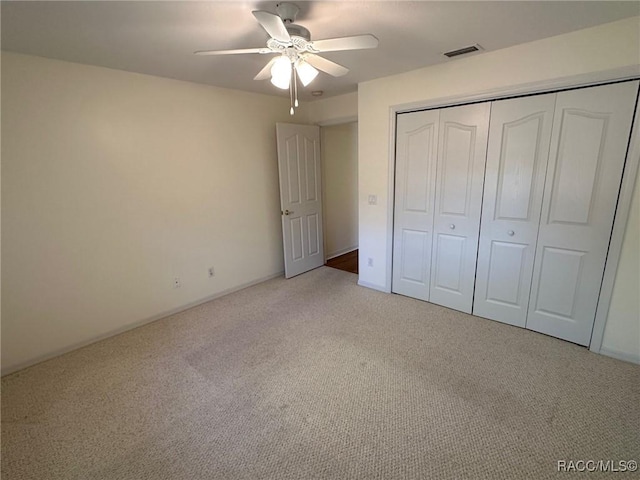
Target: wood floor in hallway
347,262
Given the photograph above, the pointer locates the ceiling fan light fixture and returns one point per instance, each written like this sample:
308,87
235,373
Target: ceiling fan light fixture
306,72
281,72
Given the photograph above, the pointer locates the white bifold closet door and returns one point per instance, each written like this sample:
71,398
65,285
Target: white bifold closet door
462,148
588,148
416,145
517,155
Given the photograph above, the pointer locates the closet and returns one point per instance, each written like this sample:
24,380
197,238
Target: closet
504,209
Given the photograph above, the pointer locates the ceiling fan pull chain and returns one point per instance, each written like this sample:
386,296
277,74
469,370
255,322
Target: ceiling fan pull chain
291,96
295,86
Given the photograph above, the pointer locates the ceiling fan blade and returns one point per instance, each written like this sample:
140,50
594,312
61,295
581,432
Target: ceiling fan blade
266,71
232,52
357,42
273,24
325,65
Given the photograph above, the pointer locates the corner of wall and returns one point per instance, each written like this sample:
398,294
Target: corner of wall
334,110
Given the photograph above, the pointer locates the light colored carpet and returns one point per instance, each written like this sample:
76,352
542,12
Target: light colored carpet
315,377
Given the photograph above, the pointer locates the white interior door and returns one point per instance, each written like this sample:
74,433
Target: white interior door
300,197
588,148
416,146
462,150
519,136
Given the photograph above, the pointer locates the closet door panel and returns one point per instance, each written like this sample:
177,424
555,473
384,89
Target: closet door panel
588,149
517,155
462,144
416,144
449,255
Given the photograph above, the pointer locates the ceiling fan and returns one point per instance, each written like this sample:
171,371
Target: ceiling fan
296,54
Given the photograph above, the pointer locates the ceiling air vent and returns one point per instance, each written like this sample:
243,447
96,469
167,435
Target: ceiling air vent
463,51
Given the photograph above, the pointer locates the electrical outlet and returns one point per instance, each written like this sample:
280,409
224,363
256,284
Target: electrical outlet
373,199
212,272
369,262
177,283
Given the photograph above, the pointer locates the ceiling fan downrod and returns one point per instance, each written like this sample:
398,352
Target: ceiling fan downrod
287,11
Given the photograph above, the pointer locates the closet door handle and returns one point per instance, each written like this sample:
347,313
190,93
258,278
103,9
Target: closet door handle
452,226
511,233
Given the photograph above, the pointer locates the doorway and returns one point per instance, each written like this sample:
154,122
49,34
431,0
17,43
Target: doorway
339,153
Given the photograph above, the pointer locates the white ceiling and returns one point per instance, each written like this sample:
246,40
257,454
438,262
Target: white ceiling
158,37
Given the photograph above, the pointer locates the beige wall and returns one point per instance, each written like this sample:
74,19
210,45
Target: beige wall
333,110
113,184
339,144
606,48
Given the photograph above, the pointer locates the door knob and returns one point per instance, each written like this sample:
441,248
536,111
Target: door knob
288,212
452,226
511,233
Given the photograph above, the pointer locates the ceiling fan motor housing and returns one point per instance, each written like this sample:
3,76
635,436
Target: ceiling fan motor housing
298,31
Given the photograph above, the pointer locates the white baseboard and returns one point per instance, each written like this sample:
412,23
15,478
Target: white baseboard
20,366
341,252
626,357
373,286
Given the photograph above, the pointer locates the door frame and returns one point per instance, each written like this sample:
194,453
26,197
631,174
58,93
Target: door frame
626,190
331,123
